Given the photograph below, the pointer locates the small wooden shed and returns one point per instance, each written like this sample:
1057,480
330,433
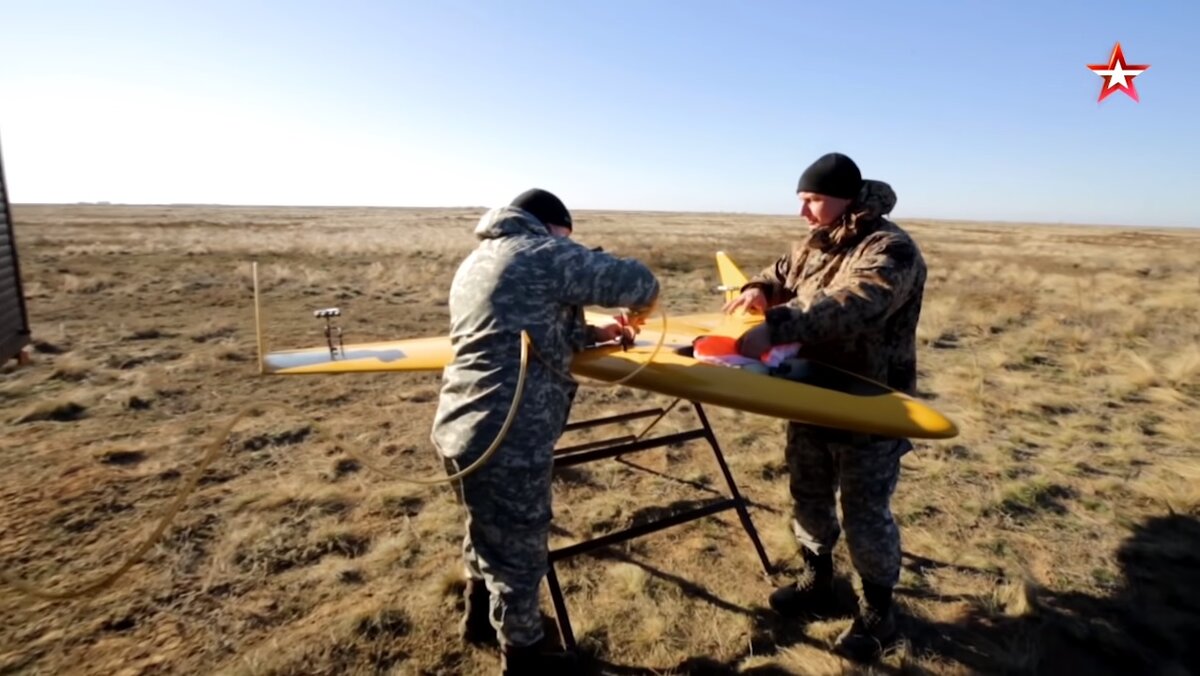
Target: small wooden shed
14,319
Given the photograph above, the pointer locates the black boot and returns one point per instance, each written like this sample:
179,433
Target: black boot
874,628
539,659
476,627
812,594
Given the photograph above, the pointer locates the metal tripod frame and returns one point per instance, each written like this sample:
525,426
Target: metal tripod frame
618,446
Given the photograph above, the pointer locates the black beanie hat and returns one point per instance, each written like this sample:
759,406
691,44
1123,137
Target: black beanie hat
832,174
544,206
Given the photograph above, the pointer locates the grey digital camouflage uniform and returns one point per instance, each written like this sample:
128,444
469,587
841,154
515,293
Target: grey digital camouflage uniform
851,296
519,278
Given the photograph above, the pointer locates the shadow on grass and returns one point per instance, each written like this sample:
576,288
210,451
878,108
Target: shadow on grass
1149,625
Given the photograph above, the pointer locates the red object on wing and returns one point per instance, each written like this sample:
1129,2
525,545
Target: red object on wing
715,346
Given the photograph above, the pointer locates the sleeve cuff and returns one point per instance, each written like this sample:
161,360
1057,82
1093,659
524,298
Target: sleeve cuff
780,321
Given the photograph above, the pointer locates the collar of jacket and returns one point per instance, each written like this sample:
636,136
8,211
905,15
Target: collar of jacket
508,220
843,236
863,216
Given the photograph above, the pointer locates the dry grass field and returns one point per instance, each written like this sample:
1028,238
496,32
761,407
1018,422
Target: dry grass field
1060,530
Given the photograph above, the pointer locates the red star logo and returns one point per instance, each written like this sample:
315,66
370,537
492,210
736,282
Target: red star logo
1118,76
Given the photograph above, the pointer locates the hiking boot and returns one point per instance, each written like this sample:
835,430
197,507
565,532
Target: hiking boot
476,627
874,628
812,594
540,659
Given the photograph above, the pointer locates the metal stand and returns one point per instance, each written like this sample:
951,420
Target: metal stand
332,331
618,446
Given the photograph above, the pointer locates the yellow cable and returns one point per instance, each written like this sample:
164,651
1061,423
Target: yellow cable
211,454
214,449
165,520
526,343
662,338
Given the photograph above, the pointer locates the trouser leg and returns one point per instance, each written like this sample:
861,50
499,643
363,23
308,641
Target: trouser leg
507,543
470,565
512,565
812,482
868,476
869,472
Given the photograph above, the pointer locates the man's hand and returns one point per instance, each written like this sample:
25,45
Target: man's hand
613,331
755,342
752,300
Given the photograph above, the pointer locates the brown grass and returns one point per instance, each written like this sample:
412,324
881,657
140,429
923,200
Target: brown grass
1060,528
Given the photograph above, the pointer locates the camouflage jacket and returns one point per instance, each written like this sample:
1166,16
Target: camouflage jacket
522,277
851,294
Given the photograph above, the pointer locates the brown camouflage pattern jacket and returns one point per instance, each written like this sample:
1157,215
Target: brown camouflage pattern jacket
851,294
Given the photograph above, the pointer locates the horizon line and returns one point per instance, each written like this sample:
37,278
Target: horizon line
591,210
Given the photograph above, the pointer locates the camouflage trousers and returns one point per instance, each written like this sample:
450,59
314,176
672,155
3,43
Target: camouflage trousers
507,541
864,471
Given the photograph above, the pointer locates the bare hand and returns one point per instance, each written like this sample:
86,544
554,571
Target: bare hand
752,300
614,331
755,342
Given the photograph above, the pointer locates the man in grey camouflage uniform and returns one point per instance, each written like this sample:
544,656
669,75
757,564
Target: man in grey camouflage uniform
850,293
526,274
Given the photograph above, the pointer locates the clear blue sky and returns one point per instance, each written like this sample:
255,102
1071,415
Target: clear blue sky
981,110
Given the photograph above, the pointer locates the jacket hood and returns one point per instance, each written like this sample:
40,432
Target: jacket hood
875,199
507,221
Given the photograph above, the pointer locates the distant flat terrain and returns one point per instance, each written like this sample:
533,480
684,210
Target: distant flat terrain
1062,528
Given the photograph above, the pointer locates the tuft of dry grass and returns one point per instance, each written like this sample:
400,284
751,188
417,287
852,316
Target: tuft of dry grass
1061,528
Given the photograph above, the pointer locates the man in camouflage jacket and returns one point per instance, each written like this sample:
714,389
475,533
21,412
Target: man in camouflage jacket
850,293
526,274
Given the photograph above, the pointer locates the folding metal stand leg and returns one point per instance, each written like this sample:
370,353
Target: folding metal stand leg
608,448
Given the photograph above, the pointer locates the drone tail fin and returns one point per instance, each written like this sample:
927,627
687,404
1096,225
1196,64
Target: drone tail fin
732,277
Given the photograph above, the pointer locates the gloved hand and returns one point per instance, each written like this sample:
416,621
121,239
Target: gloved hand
755,342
